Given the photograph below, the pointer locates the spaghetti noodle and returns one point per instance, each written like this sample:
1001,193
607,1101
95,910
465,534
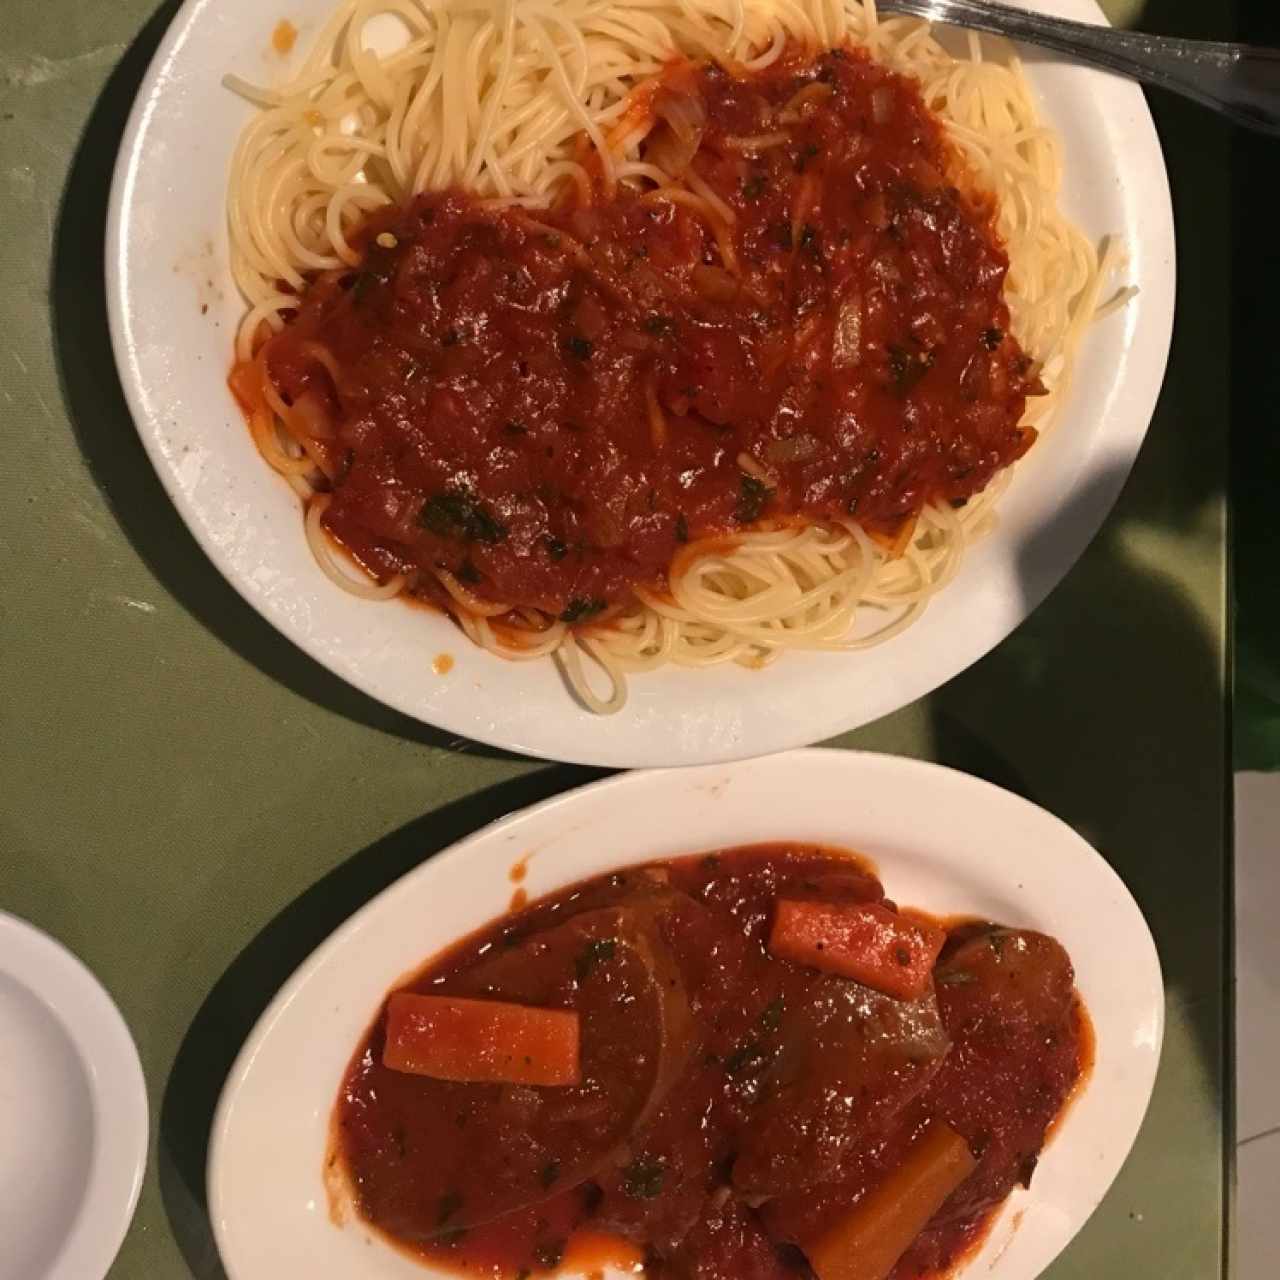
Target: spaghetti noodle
537,105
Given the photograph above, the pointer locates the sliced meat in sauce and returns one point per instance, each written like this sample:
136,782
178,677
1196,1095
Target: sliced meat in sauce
1009,1007
734,1107
850,1060
444,1155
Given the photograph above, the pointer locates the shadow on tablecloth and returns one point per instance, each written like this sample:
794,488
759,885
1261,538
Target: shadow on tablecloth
113,452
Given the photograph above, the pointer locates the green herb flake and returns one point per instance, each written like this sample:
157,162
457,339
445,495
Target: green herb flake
450,1203
657,323
580,608
642,1179
752,497
578,347
365,280
802,160
549,1253
906,368
745,1059
549,1173
595,953
556,549
456,515
682,528
771,1016
754,187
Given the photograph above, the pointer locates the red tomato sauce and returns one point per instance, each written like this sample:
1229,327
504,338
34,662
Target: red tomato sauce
493,378
724,1125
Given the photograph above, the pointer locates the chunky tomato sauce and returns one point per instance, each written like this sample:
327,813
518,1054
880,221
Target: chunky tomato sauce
550,406
733,1108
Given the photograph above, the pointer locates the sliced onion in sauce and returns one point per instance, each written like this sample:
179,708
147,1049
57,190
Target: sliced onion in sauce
675,141
846,340
801,102
715,283
309,412
793,449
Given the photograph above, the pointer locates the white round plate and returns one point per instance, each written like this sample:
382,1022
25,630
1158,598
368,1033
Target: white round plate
73,1113
174,311
941,840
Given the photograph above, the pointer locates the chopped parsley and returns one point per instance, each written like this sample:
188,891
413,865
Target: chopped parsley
752,497
657,323
549,1253
365,280
745,1059
771,1016
578,347
549,1173
450,1203
682,528
595,953
456,515
556,549
754,187
906,368
642,1179
581,608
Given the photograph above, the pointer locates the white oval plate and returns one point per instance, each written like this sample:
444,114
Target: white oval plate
941,840
167,262
73,1113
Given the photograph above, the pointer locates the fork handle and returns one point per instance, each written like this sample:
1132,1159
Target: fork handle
1239,80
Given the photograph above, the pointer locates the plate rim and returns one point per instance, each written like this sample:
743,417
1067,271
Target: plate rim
566,736
444,862
63,984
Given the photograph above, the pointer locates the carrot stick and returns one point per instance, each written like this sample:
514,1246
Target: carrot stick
481,1040
867,1243
861,940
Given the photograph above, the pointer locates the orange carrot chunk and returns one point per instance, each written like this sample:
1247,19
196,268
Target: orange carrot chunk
867,1243
860,940
481,1041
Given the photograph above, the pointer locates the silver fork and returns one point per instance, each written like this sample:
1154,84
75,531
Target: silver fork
1239,80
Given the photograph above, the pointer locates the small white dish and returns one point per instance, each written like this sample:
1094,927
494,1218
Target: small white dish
73,1113
174,310
941,840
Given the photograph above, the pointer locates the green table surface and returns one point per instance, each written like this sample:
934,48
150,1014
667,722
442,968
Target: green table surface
191,804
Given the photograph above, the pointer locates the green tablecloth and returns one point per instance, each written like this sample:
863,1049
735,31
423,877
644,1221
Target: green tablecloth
191,804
